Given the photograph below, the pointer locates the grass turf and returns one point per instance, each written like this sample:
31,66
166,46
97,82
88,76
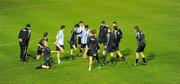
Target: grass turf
159,20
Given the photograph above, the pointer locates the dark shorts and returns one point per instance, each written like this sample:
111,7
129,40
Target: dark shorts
73,43
91,53
116,47
39,50
110,49
141,48
58,49
83,45
79,40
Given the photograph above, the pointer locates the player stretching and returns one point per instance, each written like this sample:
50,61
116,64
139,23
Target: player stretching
47,54
41,45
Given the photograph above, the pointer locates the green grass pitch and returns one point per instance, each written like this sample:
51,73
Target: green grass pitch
158,19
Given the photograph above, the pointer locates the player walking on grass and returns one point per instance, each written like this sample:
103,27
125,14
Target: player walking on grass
73,40
47,54
141,45
102,35
60,43
41,45
92,47
110,46
118,36
79,31
24,38
84,36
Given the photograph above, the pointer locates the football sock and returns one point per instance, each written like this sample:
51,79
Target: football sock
144,60
112,60
136,61
80,50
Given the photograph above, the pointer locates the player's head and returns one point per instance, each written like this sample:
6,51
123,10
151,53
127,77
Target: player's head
81,23
28,25
110,29
114,23
93,32
103,22
86,27
136,28
115,27
76,25
45,34
62,27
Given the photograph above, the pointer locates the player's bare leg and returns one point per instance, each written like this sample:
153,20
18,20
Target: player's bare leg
90,62
38,57
84,53
137,59
121,56
143,58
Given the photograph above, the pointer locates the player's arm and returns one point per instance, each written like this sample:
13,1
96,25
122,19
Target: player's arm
107,40
98,45
99,31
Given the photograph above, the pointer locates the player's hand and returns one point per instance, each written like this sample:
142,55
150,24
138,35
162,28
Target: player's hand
20,40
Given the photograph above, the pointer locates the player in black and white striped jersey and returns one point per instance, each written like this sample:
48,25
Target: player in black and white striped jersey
141,45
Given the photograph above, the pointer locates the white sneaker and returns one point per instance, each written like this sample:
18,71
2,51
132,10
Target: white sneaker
89,69
135,64
59,62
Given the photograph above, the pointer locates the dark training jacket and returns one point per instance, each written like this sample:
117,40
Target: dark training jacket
73,37
25,35
118,35
110,40
92,44
103,32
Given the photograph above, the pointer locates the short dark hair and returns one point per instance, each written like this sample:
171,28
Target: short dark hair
81,22
45,34
76,25
28,25
103,22
62,26
86,26
114,22
136,27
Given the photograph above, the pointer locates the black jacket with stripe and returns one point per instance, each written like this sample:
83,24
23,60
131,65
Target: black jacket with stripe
25,35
